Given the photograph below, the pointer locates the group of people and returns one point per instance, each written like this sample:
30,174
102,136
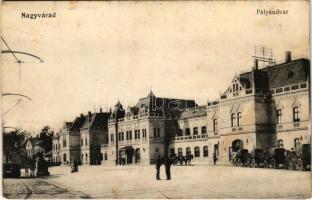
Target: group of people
167,162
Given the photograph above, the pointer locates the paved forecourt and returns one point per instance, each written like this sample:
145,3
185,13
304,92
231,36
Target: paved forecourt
187,182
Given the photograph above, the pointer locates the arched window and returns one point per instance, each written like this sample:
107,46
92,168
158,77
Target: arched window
296,114
86,158
233,117
197,152
280,144
180,132
195,131
82,157
112,138
105,156
64,157
239,116
180,153
137,155
187,131
205,151
278,116
204,130
215,125
296,142
188,151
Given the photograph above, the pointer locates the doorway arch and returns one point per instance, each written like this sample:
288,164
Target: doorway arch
137,155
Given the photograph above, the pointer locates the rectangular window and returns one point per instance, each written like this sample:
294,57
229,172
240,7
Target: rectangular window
195,131
215,125
279,90
205,151
239,116
139,134
197,152
296,114
180,153
204,130
86,141
297,142
158,132
233,119
303,85
279,116
280,144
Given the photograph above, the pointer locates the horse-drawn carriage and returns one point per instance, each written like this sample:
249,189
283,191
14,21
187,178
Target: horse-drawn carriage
241,158
257,158
300,159
274,158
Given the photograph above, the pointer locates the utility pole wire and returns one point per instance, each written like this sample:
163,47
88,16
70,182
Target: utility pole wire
17,60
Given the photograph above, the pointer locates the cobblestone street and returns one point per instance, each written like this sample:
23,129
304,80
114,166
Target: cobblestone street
36,189
187,182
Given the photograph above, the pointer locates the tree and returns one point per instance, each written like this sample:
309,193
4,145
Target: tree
13,145
46,137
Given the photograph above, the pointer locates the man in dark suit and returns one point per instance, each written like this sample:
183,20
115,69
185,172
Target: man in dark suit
158,164
168,163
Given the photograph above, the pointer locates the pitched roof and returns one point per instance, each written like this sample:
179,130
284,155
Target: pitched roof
191,113
35,141
78,123
96,120
294,72
167,105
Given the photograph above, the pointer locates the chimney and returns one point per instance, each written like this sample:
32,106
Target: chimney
81,115
255,64
101,110
287,56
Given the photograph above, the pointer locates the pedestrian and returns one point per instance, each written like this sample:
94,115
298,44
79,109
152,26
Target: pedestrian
214,158
168,163
158,164
181,159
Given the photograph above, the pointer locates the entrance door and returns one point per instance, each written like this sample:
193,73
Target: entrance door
137,156
129,153
216,149
236,145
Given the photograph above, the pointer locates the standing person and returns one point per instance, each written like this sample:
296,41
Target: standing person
167,166
158,164
214,158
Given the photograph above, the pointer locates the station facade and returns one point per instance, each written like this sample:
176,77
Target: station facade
263,108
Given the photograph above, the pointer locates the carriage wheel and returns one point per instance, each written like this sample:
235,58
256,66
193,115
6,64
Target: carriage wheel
272,164
291,165
239,163
253,163
299,166
265,164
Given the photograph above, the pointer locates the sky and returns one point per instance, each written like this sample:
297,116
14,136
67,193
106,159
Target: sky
98,52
